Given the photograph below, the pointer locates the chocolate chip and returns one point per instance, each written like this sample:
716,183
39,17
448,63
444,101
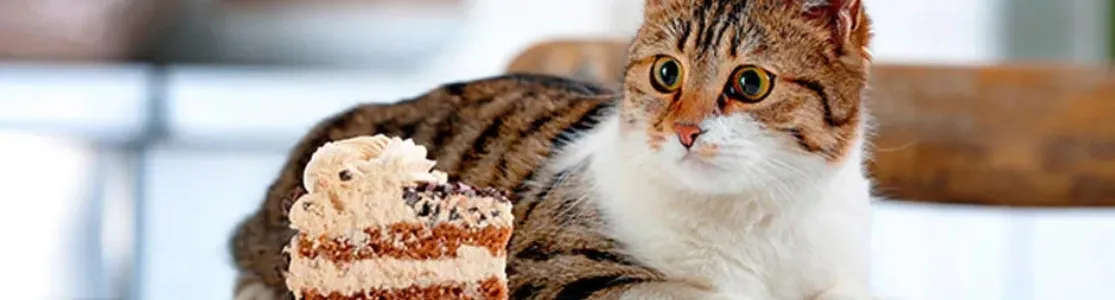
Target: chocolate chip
410,197
425,210
495,213
345,175
489,192
437,210
454,215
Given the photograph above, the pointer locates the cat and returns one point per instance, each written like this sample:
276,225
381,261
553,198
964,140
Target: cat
728,166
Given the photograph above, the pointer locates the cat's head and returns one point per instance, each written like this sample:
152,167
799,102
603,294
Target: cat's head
734,94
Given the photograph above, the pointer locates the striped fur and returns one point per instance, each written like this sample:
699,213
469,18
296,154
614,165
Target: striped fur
553,142
491,132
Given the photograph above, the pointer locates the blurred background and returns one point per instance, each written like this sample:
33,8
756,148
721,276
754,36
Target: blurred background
134,134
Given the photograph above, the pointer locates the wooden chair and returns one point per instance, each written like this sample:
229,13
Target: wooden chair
1028,135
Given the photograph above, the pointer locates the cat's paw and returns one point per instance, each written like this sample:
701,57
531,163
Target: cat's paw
255,291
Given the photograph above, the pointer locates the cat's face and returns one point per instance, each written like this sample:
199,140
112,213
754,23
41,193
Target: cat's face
730,94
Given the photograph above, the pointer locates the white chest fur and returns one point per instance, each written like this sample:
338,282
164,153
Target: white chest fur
747,246
765,244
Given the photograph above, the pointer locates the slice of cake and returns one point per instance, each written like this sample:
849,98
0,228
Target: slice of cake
377,223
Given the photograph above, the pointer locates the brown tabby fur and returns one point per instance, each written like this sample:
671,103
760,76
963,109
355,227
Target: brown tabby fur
500,131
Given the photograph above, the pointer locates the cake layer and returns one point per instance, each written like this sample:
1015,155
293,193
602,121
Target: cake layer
404,240
472,264
488,289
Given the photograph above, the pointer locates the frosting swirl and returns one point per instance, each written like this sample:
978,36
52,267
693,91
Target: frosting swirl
404,159
408,158
356,182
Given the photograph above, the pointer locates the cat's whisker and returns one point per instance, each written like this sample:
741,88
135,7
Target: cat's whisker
786,166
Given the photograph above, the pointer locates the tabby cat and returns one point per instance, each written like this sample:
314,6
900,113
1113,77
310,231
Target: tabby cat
729,165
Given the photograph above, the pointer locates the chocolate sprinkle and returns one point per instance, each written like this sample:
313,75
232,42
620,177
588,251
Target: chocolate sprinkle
445,190
425,210
411,197
437,209
454,215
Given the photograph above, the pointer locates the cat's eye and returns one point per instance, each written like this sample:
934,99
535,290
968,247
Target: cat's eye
750,84
666,74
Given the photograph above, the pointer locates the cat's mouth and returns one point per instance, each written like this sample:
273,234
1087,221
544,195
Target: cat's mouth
700,174
695,161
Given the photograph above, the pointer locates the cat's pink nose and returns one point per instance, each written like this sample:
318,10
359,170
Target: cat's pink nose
687,133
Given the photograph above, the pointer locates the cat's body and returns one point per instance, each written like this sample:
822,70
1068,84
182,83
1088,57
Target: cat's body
494,132
729,167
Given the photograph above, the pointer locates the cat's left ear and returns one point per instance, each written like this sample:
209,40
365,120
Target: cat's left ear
847,18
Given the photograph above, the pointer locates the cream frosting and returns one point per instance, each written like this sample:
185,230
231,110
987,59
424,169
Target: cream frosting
371,202
357,182
473,264
410,159
378,153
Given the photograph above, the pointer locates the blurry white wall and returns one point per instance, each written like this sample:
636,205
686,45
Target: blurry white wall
496,30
